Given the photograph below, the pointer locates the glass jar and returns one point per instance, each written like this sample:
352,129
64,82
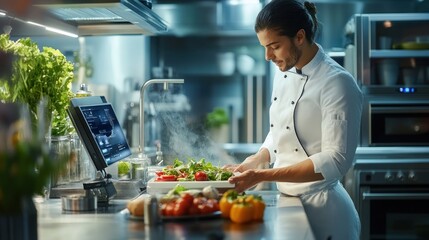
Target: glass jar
59,149
139,167
84,170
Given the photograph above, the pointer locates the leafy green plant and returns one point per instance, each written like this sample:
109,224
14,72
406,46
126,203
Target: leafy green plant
216,118
24,171
36,75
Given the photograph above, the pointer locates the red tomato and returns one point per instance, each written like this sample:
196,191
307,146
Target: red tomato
193,210
181,208
214,203
205,208
201,176
166,178
169,210
199,200
188,198
159,173
164,209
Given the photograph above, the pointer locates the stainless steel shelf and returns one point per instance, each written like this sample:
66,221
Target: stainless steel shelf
398,53
397,17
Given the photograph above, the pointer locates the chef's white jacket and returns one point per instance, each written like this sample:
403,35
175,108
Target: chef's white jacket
316,115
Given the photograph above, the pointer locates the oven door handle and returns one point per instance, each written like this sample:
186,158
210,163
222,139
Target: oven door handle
394,196
398,109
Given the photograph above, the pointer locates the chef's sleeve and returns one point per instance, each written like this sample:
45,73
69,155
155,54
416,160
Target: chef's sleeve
341,105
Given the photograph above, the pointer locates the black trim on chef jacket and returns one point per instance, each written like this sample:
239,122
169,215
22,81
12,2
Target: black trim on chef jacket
287,127
294,129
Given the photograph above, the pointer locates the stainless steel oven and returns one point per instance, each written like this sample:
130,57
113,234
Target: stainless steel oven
392,195
394,204
395,122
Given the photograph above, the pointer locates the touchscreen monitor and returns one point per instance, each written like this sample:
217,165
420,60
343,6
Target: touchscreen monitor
102,134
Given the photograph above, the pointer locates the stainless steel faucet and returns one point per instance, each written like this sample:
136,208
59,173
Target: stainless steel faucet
142,90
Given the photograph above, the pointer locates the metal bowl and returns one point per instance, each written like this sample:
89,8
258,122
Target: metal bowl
79,203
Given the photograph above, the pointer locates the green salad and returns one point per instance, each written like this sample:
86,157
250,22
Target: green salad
193,171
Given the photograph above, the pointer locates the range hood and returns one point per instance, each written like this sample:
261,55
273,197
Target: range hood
106,17
208,17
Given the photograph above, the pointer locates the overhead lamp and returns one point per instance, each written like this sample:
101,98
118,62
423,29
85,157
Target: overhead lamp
59,31
35,24
47,28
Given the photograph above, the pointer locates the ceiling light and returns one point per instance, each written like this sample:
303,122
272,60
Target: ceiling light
55,30
35,24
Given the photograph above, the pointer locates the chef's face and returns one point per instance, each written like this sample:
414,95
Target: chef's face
281,50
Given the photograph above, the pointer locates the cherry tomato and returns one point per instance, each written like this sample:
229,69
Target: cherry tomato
164,209
205,208
169,210
159,173
166,178
214,203
201,176
199,200
181,208
188,198
195,207
193,210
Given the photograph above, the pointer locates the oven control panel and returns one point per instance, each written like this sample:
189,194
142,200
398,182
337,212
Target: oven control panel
405,176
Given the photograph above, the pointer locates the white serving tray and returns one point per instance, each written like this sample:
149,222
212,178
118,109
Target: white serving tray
165,186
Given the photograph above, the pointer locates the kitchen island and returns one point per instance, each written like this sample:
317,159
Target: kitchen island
284,219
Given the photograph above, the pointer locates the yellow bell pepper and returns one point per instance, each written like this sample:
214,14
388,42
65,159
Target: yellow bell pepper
259,206
226,202
242,212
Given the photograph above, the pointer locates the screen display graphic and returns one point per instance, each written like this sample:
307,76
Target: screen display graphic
106,132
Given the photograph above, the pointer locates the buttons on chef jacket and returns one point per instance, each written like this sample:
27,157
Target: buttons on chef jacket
285,76
275,98
272,125
287,127
292,102
275,151
296,149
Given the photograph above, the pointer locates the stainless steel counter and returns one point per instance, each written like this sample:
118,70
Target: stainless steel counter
284,219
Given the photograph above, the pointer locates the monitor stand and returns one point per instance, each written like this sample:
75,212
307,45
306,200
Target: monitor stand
103,188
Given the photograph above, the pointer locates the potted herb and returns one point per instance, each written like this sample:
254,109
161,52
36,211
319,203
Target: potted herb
38,75
217,124
25,169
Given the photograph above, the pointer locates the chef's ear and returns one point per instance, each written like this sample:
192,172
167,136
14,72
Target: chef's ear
300,37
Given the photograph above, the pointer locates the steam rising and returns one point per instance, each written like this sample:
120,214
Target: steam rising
183,140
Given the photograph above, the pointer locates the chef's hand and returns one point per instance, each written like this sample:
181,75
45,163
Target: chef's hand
251,162
244,180
246,174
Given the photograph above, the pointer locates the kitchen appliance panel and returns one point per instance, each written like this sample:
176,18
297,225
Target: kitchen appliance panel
390,189
392,120
385,62
393,203
401,124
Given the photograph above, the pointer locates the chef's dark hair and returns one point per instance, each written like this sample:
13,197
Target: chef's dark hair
288,17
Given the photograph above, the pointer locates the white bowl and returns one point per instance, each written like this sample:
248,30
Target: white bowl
226,63
245,64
